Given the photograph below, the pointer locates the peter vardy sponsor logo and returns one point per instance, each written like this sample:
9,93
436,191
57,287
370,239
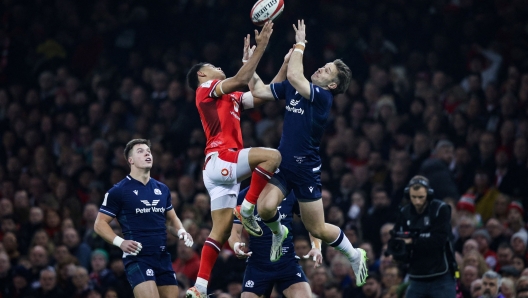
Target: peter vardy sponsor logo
295,110
294,102
151,209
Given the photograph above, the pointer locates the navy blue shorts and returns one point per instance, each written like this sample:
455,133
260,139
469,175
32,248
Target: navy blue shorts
304,182
261,282
156,267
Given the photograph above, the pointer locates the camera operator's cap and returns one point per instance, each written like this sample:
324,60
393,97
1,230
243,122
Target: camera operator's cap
517,206
467,202
509,271
483,233
521,235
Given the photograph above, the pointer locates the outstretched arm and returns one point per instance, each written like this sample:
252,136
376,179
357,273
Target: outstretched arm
262,92
244,75
295,73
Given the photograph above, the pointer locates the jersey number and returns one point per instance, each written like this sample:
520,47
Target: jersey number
104,201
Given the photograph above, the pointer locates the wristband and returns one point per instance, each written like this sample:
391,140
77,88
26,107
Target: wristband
244,60
181,231
301,43
118,241
299,50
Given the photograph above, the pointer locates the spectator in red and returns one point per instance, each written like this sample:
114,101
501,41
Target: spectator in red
483,239
187,263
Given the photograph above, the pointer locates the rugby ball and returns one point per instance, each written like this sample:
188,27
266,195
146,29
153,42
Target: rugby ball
266,10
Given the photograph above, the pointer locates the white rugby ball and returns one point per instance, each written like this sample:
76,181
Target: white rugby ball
266,10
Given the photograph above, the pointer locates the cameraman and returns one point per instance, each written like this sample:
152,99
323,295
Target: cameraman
420,239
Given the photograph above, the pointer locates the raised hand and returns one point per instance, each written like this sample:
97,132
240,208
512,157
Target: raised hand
288,55
131,247
300,31
263,37
248,49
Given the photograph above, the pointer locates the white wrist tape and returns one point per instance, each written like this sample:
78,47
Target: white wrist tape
244,60
117,241
181,231
301,43
299,50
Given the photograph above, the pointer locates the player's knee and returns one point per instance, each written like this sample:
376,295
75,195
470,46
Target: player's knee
266,210
317,232
275,157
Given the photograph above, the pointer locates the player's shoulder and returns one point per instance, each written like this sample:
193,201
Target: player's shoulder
120,185
319,91
160,185
209,84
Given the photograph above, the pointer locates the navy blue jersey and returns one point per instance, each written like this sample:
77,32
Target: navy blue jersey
305,121
261,246
140,210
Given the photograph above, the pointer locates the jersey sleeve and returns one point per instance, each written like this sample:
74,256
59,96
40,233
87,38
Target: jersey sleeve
279,89
112,202
168,205
208,88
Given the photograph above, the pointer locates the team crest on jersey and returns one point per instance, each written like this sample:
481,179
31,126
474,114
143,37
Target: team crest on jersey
157,192
250,284
150,272
224,172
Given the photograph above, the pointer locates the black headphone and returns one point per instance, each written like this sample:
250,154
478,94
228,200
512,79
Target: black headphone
419,181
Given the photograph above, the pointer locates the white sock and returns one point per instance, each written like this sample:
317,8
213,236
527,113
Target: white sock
201,285
246,209
345,247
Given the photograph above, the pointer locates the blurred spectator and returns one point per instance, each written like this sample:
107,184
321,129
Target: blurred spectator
78,249
436,169
187,263
100,276
48,285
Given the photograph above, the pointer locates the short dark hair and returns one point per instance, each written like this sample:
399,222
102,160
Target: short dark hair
344,75
417,186
133,143
192,76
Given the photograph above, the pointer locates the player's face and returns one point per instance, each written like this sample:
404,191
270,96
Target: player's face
212,72
326,76
418,198
141,157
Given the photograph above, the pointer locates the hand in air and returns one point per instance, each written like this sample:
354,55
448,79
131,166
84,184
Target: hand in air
240,250
263,37
300,31
248,49
316,255
288,55
131,247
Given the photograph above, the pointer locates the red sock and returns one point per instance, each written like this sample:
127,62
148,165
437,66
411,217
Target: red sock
210,253
259,179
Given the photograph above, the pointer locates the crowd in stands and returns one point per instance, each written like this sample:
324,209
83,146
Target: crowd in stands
439,88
